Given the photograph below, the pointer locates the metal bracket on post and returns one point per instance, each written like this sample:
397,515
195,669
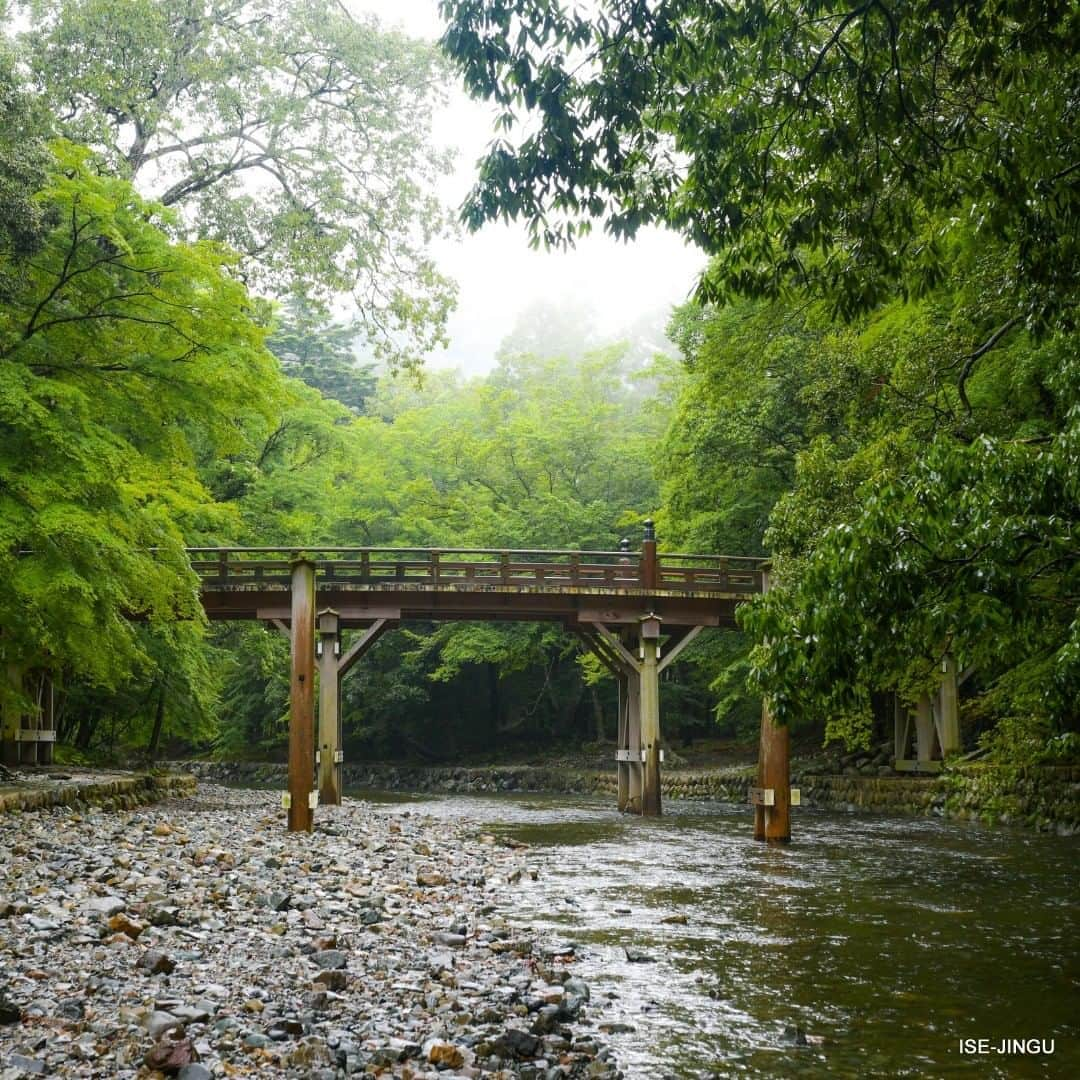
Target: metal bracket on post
339,756
767,796
645,754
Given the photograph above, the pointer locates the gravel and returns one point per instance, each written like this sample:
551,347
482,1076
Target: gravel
197,938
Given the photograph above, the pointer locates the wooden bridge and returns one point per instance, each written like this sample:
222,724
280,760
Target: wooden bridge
636,611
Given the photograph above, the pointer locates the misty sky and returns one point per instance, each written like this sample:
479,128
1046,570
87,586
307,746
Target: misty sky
498,275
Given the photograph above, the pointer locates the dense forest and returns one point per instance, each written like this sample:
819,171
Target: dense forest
877,383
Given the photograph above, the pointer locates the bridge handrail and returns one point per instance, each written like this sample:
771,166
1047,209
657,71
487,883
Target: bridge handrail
292,549
470,567
313,549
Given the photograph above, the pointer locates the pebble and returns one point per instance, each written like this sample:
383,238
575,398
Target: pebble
329,959
199,939
27,1064
195,1071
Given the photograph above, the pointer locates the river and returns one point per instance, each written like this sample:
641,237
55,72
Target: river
879,942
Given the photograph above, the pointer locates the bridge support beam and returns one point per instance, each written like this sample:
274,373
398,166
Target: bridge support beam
333,667
948,726
649,648
622,739
329,649
302,698
638,753
924,730
633,743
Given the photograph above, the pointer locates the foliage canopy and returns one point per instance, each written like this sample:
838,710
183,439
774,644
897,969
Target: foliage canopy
840,148
293,132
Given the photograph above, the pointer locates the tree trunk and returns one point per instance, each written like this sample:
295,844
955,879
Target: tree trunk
598,713
494,701
159,721
85,730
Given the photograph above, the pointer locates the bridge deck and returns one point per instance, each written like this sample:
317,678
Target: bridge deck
363,584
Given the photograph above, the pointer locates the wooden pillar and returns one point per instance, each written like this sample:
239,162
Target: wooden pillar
949,713
622,742
302,697
633,725
329,650
28,745
924,729
48,721
649,646
772,824
649,567
901,729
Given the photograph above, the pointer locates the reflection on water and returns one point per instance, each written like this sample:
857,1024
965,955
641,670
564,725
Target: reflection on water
886,941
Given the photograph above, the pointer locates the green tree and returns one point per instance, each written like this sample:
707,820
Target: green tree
292,132
117,345
838,147
922,536
321,353
24,165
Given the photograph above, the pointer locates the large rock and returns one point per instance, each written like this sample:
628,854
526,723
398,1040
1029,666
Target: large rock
194,1071
32,1066
514,1043
161,1022
169,1056
104,906
333,980
120,923
156,962
329,959
446,1055
451,941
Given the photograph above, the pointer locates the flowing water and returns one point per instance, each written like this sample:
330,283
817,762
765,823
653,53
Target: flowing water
883,942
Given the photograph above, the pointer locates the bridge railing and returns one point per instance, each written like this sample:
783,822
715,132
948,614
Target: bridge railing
477,567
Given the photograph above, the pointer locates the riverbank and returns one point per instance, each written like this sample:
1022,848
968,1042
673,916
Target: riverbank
1044,798
199,939
32,789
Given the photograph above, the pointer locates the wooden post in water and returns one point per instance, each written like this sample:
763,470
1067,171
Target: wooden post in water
772,821
329,649
649,639
302,697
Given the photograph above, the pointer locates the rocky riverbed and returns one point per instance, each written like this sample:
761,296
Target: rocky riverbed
197,938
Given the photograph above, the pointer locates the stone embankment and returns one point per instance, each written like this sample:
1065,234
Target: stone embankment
199,939
37,790
1046,798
